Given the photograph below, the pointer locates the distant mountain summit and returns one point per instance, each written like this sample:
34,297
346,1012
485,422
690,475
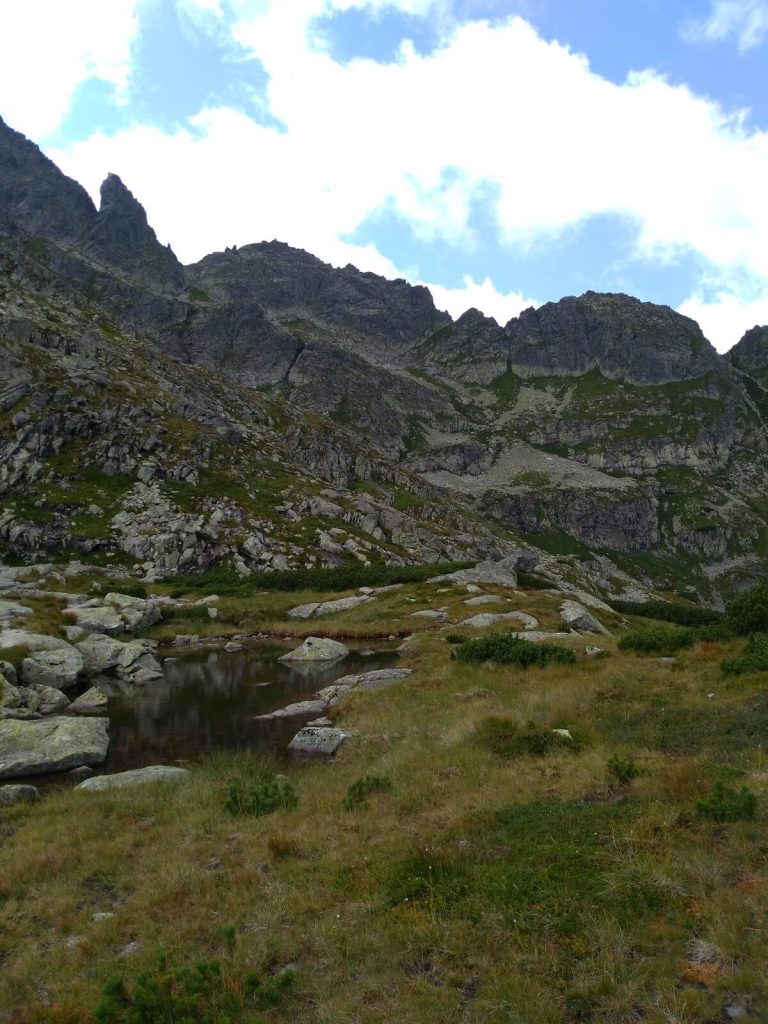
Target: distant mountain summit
246,385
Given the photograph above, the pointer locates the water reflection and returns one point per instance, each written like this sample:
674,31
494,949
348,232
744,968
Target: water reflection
207,702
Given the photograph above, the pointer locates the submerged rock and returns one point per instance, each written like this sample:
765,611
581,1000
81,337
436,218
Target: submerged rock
136,777
91,702
51,745
317,648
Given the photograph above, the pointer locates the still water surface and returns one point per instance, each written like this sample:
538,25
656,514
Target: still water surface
208,701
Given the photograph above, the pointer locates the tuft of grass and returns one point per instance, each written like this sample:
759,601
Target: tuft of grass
258,799
509,649
365,786
506,738
748,612
624,770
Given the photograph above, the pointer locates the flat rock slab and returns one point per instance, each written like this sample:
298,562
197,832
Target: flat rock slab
502,573
51,745
10,608
375,680
302,707
317,742
32,641
537,636
10,795
483,599
137,777
484,619
430,613
316,648
342,604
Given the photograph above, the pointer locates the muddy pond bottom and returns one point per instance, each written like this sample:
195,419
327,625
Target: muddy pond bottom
208,700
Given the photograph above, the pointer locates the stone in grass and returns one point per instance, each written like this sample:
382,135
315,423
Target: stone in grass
136,777
312,742
51,745
316,648
10,795
577,617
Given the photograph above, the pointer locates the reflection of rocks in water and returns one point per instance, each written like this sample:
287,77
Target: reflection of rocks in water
207,702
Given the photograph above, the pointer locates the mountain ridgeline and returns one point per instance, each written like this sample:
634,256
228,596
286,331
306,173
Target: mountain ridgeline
262,410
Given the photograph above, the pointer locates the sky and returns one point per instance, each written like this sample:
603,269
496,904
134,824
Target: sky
504,152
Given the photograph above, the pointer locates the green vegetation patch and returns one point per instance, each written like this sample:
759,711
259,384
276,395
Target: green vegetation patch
682,614
754,657
660,639
543,867
510,649
724,803
260,798
748,612
363,787
505,737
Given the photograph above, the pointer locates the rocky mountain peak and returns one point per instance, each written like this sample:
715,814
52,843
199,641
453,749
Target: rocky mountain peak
751,353
123,238
36,199
621,336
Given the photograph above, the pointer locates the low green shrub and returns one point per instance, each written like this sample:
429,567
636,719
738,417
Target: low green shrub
510,649
748,612
455,638
132,588
201,994
530,581
343,577
363,787
681,614
187,613
723,803
260,798
624,770
507,738
657,639
754,657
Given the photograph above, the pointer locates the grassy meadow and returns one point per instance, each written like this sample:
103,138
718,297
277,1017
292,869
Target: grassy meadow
491,874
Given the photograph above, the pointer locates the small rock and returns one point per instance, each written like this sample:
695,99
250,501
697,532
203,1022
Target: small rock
130,950
90,702
10,795
312,742
577,617
101,915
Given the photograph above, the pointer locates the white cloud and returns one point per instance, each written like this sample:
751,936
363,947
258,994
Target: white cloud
481,295
495,111
49,47
726,316
743,20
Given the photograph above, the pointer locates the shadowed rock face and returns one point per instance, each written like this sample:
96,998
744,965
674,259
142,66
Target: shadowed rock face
292,282
751,353
122,238
36,199
623,337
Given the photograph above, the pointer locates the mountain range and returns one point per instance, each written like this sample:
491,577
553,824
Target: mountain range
262,410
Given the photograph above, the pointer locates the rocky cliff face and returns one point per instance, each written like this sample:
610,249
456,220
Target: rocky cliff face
233,400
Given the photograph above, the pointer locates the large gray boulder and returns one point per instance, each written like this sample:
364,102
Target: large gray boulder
100,652
136,777
59,669
48,699
484,619
116,613
317,648
137,613
99,619
51,745
502,573
577,617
